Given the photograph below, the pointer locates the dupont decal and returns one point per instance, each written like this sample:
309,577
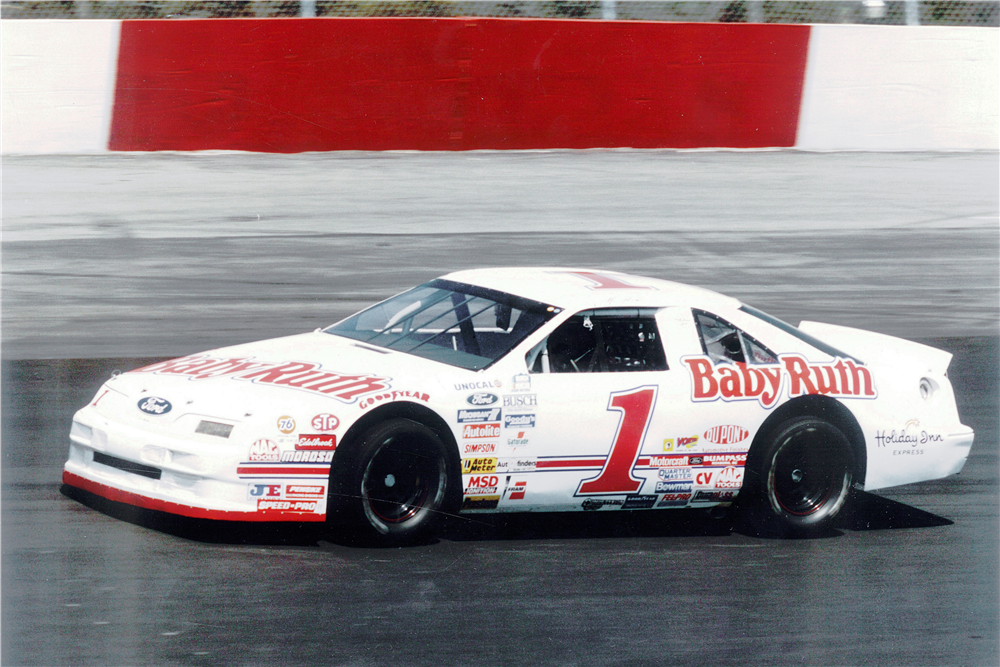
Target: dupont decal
264,450
765,382
678,444
286,424
481,431
477,416
482,398
154,406
479,465
301,375
319,441
519,421
726,435
325,422
393,396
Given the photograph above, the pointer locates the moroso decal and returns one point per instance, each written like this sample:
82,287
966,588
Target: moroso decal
300,375
764,382
726,435
307,456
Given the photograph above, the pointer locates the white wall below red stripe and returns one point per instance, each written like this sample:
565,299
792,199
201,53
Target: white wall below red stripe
866,87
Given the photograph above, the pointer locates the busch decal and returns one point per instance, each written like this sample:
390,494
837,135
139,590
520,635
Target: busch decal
301,375
764,383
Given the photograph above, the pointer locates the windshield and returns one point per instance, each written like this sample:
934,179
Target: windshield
461,325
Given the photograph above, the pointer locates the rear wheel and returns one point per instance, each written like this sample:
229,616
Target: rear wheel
801,480
394,486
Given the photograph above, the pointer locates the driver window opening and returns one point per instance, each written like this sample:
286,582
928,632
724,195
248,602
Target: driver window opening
723,342
601,341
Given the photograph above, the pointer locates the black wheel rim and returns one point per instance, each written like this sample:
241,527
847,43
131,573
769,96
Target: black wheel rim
809,475
398,483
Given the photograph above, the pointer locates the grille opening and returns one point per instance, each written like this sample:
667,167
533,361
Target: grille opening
214,428
127,466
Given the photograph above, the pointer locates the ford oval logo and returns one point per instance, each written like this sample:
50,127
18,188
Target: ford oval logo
482,399
155,406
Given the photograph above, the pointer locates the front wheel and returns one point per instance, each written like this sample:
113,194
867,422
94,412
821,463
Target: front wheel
394,486
801,480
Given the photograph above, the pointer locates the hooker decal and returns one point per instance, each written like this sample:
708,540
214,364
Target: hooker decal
764,383
292,374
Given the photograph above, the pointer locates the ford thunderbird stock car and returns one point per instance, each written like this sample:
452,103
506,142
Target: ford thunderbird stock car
511,390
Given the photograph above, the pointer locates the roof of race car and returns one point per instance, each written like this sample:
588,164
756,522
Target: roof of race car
590,288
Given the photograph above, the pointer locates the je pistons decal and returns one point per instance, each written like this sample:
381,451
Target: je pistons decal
155,406
764,383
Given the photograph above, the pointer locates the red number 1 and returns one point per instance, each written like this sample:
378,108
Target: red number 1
636,406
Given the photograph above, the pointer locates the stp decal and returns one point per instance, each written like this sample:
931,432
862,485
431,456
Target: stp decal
325,422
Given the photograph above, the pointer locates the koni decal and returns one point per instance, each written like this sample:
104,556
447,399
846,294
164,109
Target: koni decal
301,375
764,383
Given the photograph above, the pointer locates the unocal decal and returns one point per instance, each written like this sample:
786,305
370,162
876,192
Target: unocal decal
301,375
765,382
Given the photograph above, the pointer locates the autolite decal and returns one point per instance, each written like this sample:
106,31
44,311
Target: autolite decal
726,435
482,431
764,383
293,374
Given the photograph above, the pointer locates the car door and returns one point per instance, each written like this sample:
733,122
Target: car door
591,397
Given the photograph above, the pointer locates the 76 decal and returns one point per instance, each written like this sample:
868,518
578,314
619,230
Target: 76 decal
636,406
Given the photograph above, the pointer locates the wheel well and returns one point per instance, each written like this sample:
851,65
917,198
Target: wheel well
405,410
823,407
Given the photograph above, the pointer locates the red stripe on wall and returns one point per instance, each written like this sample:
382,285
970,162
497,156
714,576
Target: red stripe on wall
291,85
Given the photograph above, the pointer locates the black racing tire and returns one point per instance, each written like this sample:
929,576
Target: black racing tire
396,484
800,479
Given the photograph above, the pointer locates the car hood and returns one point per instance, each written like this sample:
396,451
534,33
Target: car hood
314,368
879,349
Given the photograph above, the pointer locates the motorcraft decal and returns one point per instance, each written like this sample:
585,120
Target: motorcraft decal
301,375
764,383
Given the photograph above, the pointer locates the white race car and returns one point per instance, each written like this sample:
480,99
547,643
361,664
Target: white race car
526,389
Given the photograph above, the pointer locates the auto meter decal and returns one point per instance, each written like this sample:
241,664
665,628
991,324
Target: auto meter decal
152,405
301,375
764,383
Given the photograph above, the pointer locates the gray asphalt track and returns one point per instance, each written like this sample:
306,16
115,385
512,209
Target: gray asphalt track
111,258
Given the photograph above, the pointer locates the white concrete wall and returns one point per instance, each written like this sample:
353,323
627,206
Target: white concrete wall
901,88
58,85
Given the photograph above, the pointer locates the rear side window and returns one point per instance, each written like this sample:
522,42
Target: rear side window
723,342
602,341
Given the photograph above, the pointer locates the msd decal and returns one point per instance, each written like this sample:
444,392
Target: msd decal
300,375
482,485
726,435
763,383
